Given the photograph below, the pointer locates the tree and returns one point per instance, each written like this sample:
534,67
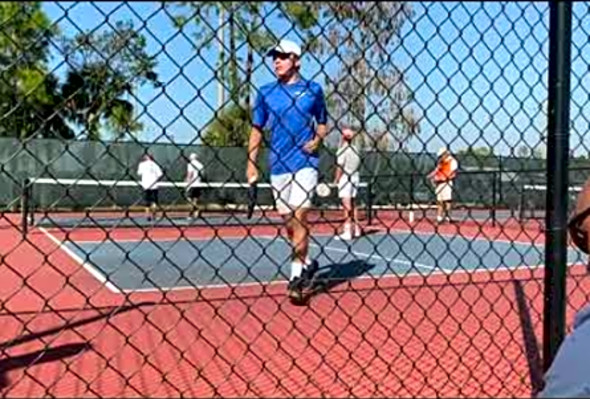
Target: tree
480,157
231,127
478,152
245,23
523,151
30,93
104,68
368,89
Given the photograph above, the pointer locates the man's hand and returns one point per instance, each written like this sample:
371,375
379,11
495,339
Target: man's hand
312,145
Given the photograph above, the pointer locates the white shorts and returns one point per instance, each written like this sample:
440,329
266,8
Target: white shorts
444,191
348,186
292,191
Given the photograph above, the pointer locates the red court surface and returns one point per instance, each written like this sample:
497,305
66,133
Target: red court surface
462,334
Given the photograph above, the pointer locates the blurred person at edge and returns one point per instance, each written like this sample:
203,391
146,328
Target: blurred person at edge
569,374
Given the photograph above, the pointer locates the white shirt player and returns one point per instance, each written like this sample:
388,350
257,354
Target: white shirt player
348,158
150,173
194,169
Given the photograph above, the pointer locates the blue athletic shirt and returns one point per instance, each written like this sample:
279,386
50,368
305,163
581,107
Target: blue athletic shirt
289,111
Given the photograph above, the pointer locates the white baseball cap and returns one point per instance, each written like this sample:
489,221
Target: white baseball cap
442,151
192,156
285,47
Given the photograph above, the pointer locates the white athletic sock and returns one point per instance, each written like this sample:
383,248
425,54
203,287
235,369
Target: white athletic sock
347,228
296,269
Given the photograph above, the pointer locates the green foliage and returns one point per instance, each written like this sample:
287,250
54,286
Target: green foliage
106,66
230,128
29,91
25,35
246,29
361,33
477,152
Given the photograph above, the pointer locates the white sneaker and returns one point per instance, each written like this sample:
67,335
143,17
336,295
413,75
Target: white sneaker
346,236
357,231
347,232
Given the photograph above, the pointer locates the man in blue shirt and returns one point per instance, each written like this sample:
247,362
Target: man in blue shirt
294,111
569,374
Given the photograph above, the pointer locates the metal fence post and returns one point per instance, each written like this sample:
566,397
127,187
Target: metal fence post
25,192
557,179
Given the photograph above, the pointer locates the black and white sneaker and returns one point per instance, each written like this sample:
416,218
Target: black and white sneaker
309,273
294,290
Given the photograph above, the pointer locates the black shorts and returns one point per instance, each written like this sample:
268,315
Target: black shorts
194,192
150,196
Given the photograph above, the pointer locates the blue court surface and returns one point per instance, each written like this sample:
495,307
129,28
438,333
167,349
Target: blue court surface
146,264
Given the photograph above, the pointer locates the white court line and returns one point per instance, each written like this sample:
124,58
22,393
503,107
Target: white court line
365,277
87,266
197,239
206,286
275,238
383,231
435,270
284,282
466,238
379,257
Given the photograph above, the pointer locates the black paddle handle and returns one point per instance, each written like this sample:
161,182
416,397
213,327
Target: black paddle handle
252,194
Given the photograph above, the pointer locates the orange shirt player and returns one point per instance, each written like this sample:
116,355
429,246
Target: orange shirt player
442,176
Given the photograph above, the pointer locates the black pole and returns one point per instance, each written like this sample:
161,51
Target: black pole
521,204
560,23
412,202
494,203
369,203
24,207
500,188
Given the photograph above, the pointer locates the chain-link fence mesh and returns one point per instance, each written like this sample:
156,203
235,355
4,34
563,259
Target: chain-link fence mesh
109,291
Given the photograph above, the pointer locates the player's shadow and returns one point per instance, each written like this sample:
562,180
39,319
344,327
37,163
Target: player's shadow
531,344
37,357
331,276
52,353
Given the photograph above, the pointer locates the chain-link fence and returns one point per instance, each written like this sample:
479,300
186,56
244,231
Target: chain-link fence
138,259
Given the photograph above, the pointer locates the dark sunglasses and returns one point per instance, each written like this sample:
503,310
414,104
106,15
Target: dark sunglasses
281,56
578,235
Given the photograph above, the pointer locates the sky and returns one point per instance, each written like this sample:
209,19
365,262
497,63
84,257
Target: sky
478,70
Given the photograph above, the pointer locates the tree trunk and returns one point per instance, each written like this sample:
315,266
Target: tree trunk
221,66
248,80
233,62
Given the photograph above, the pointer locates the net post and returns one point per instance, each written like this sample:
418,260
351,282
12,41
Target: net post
521,201
412,202
560,25
369,203
25,194
500,188
494,202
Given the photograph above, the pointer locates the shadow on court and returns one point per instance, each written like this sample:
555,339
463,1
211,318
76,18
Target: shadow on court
531,345
331,276
52,353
